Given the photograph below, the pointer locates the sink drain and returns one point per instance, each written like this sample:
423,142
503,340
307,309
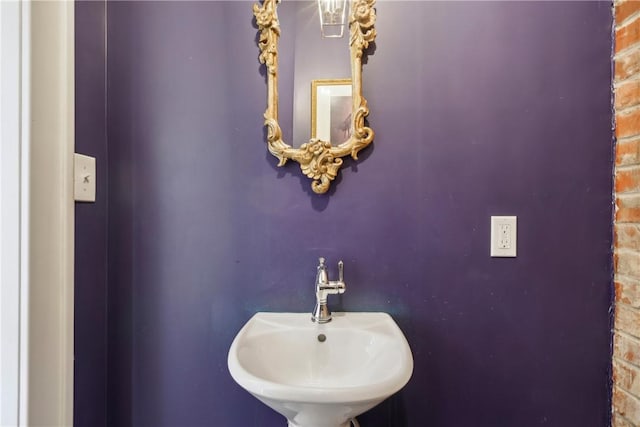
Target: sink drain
322,337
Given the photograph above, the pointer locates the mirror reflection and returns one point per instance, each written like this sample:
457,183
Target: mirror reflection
313,57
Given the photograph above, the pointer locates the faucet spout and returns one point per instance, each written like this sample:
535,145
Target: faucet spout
325,287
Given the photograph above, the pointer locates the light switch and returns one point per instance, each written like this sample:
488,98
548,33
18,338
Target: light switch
84,169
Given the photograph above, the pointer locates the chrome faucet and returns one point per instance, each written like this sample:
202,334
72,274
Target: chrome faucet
324,287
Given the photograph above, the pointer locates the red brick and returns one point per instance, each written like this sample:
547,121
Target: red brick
618,421
627,65
626,348
628,35
627,319
628,124
627,236
624,9
626,405
627,377
627,94
628,153
628,180
628,208
627,263
628,291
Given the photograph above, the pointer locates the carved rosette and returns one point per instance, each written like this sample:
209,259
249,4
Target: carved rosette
319,160
361,22
318,163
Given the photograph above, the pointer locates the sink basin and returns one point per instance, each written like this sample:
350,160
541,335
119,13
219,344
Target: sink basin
320,375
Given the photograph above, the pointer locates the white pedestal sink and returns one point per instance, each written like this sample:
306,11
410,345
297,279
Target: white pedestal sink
320,375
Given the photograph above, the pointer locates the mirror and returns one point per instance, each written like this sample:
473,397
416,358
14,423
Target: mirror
318,158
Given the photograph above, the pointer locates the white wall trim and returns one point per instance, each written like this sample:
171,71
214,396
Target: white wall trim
49,345
37,208
10,183
25,171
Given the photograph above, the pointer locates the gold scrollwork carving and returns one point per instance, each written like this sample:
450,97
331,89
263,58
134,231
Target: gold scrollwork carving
319,160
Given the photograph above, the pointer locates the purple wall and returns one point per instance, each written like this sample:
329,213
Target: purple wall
90,373
479,109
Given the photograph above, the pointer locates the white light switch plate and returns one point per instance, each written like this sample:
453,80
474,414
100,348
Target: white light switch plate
504,232
84,180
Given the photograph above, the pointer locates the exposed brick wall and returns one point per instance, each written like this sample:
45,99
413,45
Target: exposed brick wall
626,348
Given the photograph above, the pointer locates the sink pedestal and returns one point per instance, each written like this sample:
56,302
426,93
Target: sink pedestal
347,424
337,414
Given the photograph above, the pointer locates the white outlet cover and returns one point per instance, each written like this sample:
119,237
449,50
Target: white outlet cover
84,180
504,233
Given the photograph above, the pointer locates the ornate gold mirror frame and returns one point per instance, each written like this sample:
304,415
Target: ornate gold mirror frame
318,159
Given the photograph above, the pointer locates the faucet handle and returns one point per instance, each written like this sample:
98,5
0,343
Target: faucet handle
321,261
340,271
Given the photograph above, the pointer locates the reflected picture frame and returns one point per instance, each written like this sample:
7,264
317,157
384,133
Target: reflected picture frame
331,110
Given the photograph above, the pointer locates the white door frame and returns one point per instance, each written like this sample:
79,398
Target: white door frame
36,206
10,209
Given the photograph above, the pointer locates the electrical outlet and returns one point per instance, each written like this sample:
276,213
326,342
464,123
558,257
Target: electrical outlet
503,236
